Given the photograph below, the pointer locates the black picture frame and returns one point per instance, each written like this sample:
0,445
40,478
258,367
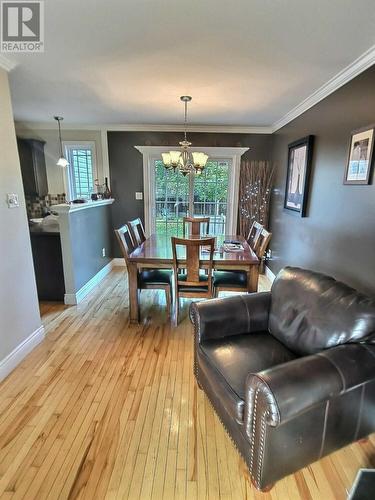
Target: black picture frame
298,175
364,139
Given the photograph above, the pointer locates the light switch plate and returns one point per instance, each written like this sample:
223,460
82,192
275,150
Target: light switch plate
12,200
138,195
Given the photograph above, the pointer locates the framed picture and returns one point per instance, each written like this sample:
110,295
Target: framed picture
358,168
298,175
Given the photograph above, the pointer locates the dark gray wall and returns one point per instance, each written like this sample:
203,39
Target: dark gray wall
90,232
126,163
338,234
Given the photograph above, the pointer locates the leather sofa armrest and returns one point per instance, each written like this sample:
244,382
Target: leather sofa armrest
217,318
283,392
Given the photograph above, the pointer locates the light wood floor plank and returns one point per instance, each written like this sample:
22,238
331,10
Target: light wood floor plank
102,409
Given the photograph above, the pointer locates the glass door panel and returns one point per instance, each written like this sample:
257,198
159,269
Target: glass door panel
171,200
211,195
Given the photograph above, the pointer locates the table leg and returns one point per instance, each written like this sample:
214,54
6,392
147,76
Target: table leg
252,278
133,293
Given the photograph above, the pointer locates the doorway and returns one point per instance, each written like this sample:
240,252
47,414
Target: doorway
178,196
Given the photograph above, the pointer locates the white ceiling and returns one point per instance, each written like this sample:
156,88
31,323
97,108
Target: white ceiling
245,62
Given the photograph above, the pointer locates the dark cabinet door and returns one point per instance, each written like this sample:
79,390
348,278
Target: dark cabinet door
48,266
33,166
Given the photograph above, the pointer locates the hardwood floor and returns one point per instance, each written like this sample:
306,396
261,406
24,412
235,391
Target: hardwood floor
102,409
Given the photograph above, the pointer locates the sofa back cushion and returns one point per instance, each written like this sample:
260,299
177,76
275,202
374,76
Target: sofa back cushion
311,312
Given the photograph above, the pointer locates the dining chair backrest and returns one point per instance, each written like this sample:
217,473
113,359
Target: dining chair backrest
262,243
254,233
195,226
125,240
193,248
137,231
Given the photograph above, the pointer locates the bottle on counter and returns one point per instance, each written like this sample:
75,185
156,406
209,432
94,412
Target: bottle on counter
107,192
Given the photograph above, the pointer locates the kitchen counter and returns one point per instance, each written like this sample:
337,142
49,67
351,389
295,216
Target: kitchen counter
64,208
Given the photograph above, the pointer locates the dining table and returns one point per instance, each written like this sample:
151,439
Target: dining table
156,252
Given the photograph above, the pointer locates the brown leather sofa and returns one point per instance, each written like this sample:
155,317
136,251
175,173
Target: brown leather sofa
290,372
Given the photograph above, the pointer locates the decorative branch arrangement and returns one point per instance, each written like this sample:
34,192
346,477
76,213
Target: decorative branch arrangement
256,178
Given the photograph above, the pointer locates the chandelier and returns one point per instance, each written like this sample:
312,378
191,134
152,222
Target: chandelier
186,161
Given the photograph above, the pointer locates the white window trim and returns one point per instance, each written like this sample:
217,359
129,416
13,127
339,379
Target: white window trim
67,172
152,153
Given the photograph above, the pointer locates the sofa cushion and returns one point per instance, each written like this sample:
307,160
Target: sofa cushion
233,358
311,312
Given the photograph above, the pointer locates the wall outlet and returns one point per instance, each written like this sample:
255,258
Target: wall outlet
138,195
103,252
12,200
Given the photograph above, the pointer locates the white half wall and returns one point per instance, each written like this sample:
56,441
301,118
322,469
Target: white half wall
19,308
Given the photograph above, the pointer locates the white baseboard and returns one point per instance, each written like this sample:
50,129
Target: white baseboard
22,350
270,275
72,299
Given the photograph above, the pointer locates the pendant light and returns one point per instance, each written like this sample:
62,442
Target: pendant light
62,161
186,161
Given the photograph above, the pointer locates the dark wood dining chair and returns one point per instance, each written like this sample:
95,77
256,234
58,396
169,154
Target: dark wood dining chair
137,231
194,225
254,233
236,281
194,282
262,245
155,279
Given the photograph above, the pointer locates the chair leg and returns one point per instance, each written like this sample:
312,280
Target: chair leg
216,292
168,300
176,308
139,304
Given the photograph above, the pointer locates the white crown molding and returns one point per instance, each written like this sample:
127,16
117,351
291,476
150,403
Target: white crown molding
224,129
363,62
6,63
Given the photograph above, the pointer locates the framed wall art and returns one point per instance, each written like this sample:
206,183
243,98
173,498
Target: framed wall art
298,175
360,158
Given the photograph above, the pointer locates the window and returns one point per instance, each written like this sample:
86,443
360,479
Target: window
81,172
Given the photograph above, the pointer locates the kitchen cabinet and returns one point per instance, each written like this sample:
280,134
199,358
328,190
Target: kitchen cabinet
33,166
48,263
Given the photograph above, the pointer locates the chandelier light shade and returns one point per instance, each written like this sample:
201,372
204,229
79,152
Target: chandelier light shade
185,161
171,159
62,161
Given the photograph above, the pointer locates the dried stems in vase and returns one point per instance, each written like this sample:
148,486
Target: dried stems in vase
255,192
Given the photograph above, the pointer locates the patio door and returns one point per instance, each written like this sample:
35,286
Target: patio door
177,196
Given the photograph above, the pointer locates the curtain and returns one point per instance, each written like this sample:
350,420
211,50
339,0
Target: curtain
256,178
